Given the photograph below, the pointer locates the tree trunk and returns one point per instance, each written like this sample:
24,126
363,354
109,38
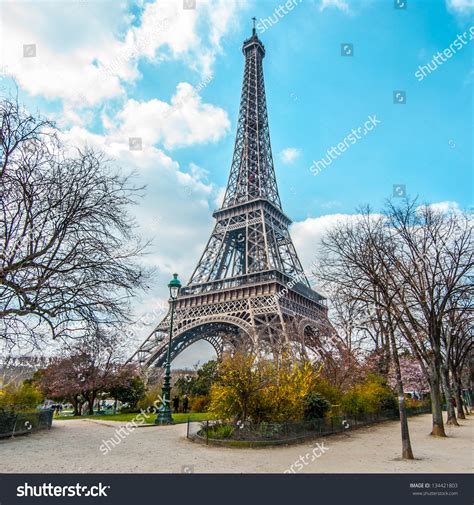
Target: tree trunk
407,452
76,404
459,400
90,404
458,396
451,419
436,405
467,401
75,408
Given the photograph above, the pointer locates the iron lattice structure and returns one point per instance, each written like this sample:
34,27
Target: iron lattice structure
249,287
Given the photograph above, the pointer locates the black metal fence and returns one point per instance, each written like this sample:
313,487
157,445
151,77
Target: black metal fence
226,433
22,423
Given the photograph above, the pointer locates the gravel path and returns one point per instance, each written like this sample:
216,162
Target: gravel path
74,446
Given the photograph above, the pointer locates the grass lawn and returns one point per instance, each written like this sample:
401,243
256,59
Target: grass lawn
150,418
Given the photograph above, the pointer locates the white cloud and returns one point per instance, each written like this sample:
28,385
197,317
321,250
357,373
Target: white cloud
92,49
342,5
66,49
180,36
183,122
289,155
443,207
307,235
70,117
223,17
462,7
198,172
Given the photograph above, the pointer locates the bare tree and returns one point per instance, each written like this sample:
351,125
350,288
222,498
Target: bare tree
433,264
408,264
351,259
68,253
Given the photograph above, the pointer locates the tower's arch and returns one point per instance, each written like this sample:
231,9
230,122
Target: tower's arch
221,332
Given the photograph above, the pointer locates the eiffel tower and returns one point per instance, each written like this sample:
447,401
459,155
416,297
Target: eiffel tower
249,288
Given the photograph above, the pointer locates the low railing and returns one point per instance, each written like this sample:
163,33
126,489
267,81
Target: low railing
22,423
226,433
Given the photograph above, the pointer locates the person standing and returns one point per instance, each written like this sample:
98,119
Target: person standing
176,404
185,403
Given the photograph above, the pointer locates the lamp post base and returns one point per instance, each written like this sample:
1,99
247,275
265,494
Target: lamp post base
164,416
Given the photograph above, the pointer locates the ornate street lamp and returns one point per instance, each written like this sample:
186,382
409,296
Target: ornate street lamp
164,413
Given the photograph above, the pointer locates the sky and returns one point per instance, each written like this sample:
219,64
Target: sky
156,86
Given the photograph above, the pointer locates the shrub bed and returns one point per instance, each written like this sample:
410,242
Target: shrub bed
264,433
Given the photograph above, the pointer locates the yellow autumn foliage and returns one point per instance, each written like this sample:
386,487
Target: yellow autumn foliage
19,397
373,395
255,389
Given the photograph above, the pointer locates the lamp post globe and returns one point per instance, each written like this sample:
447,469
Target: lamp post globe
174,287
164,413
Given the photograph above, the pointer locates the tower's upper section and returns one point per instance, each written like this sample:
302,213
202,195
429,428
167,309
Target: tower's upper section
252,175
253,42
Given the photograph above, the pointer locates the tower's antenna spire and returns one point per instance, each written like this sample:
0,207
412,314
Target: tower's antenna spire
254,31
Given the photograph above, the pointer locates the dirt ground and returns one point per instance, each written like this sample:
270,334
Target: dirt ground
76,446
